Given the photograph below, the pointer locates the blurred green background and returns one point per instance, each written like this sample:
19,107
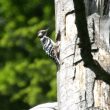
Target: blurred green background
27,75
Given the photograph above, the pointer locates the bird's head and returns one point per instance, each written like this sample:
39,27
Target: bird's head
42,33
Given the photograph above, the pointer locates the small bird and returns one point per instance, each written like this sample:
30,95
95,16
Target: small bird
49,46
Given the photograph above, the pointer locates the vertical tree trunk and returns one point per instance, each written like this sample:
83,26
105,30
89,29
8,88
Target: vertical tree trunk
82,87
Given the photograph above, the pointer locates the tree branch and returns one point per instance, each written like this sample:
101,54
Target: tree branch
81,24
85,44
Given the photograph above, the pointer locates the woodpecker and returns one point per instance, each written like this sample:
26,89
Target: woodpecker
49,46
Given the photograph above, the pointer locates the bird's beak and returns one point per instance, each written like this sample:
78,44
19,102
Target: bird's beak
46,31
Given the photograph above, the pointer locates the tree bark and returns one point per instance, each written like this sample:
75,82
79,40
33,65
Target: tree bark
84,76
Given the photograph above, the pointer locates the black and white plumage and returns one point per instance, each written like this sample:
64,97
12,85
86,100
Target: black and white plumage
49,46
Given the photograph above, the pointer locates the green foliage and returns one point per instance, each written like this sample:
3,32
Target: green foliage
27,75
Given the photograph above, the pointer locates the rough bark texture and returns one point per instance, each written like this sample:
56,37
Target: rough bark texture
80,86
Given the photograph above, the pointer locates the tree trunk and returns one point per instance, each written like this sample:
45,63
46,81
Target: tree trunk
84,76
